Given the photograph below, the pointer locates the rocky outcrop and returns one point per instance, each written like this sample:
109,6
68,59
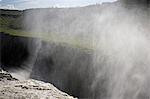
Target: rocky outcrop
11,88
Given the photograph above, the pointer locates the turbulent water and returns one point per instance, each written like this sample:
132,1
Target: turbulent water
117,67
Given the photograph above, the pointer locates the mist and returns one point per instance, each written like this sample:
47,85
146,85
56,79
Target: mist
98,51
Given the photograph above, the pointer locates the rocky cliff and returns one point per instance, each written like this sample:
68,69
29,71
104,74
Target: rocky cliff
11,88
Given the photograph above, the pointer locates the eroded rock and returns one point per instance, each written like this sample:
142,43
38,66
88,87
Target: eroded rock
11,88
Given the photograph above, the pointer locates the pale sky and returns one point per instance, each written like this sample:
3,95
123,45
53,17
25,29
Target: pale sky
26,4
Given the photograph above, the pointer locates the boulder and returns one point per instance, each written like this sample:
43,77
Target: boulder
12,88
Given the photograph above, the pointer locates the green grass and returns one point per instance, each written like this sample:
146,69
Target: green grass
10,25
51,37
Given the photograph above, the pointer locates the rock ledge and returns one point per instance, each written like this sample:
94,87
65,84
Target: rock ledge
11,88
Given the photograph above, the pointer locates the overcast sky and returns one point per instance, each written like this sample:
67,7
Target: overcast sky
26,4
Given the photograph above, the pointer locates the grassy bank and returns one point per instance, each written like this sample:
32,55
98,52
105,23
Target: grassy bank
11,23
51,37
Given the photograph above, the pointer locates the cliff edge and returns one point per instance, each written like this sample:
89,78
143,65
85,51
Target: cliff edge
12,88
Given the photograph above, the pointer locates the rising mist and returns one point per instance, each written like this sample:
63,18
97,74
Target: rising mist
98,51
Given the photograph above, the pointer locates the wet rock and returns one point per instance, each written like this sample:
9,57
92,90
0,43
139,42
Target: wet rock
11,88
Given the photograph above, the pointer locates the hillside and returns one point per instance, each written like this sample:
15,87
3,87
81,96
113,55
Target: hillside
78,25
54,24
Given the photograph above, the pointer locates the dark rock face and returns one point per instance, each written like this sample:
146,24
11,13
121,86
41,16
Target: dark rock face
69,69
14,51
136,2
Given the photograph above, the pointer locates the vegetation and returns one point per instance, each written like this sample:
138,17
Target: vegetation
11,23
